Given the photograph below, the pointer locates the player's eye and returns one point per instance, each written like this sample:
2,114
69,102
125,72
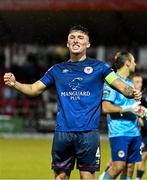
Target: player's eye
71,37
81,37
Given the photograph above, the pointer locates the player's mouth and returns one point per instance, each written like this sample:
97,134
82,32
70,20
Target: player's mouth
76,46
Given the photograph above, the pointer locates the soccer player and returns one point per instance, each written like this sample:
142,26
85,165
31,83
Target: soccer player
124,133
79,84
138,81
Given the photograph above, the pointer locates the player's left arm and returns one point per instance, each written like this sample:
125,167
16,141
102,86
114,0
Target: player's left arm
117,84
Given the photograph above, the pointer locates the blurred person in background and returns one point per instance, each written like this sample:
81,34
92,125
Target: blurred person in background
138,82
79,84
122,119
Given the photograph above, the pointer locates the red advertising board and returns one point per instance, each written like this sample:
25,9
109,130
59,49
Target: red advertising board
44,5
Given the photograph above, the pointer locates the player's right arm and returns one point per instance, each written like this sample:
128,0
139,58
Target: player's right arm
108,107
108,99
28,89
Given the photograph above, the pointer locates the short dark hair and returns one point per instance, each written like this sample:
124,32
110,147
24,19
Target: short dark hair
134,74
79,28
120,59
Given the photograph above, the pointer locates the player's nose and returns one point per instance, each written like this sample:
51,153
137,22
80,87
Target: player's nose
75,39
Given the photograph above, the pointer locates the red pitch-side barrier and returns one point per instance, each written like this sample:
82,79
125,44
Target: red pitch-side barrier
44,5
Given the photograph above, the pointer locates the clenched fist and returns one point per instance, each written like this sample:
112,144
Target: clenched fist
9,79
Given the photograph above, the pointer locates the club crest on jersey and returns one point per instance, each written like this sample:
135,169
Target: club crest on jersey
121,154
88,70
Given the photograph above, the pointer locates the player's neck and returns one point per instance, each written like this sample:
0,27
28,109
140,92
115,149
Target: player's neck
75,58
123,73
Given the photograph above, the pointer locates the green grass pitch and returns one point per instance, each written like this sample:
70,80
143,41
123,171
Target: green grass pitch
30,159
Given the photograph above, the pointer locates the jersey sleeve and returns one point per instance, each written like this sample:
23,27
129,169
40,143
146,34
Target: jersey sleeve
48,78
108,94
110,77
108,74
106,70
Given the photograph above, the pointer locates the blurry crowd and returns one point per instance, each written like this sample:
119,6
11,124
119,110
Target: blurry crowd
29,63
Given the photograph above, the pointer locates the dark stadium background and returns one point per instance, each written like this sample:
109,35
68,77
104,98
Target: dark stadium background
33,36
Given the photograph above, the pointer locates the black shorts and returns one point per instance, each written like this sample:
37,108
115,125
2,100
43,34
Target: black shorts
82,147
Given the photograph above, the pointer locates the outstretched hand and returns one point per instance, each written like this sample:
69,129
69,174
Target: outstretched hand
9,79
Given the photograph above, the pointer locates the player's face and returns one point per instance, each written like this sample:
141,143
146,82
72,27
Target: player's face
78,42
137,80
132,64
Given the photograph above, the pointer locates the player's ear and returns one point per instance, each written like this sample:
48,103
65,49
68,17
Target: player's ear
88,45
128,62
67,44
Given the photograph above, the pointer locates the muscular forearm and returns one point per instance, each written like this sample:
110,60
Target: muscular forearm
124,88
128,91
119,85
26,89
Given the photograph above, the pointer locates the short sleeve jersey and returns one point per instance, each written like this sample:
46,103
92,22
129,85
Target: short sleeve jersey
120,124
79,88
